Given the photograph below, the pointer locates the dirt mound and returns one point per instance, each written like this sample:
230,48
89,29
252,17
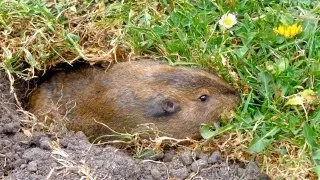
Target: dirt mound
44,156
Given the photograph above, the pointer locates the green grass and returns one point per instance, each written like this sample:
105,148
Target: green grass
265,67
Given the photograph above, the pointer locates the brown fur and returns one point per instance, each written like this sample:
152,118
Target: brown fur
133,93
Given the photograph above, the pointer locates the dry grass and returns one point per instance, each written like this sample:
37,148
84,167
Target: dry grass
48,37
67,164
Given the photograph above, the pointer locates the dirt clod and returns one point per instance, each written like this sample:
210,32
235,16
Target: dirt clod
215,157
32,166
11,128
168,156
155,173
181,173
198,165
186,157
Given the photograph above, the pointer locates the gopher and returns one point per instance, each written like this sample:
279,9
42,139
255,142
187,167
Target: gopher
175,99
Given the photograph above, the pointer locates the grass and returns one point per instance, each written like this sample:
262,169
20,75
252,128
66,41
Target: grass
269,70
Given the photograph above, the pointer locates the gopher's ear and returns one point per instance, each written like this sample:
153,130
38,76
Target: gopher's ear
161,106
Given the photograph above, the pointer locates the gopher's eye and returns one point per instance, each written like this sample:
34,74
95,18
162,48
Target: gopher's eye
203,98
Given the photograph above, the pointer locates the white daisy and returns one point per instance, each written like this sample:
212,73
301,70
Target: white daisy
227,21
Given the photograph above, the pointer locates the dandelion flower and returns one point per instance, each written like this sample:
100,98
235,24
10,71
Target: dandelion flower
288,31
227,21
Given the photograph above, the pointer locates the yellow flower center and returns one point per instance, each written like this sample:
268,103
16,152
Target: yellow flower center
228,22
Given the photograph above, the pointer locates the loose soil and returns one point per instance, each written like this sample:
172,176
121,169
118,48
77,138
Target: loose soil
40,155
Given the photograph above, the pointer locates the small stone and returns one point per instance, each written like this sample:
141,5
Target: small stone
35,154
23,166
32,166
186,157
80,135
45,143
181,173
198,165
155,173
215,157
64,143
203,156
11,127
16,156
168,156
35,138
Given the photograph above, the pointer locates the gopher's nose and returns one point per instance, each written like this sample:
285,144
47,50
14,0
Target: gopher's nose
231,92
236,93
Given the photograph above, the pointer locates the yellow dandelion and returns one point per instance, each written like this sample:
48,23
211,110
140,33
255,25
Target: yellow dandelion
227,21
288,31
